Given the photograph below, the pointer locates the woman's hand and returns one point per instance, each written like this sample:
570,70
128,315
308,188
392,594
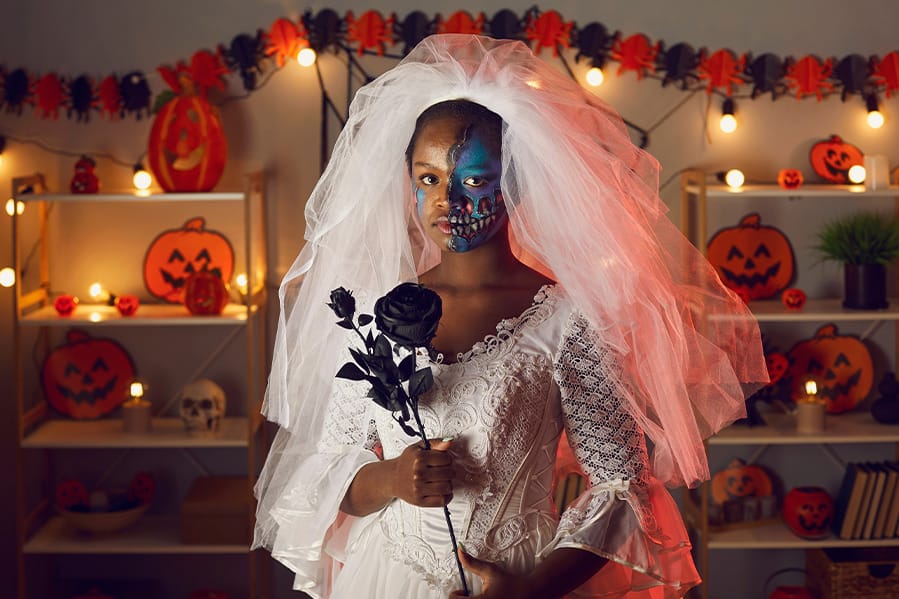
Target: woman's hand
424,477
496,583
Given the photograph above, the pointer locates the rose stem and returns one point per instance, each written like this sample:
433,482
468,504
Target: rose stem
446,512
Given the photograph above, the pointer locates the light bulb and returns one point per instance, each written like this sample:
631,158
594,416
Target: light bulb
595,76
728,123
857,174
7,277
98,293
141,179
875,119
241,281
14,206
734,178
306,57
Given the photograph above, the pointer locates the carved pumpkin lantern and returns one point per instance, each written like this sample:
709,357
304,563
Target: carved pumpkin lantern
808,511
71,494
740,480
127,304
187,149
86,377
205,293
65,304
790,178
832,158
752,258
793,298
176,254
840,363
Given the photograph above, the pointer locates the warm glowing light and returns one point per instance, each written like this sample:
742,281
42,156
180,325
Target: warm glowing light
137,389
811,388
857,174
13,205
95,317
98,293
595,76
306,57
875,119
734,178
141,179
728,123
242,281
1,159
7,277
534,83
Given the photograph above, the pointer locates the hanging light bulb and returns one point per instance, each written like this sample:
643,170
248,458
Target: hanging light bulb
595,76
141,179
306,57
734,179
12,206
875,117
857,174
7,277
728,122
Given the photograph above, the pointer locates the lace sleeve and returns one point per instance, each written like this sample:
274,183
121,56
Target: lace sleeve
349,420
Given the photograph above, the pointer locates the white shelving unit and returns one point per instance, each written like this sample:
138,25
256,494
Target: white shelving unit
42,534
854,428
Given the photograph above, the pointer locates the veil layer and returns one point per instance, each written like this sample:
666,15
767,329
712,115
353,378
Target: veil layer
584,208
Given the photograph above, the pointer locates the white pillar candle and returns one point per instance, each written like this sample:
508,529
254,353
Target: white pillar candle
136,416
810,416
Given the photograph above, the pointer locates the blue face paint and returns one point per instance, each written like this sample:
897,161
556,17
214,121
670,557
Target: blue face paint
477,210
420,200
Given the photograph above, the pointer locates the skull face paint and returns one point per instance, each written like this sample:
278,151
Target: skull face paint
476,207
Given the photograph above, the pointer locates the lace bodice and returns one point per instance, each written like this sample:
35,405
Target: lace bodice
505,403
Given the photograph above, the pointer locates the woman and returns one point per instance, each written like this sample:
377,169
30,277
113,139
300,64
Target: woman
526,205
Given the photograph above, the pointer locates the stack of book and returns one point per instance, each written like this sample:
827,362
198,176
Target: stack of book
867,505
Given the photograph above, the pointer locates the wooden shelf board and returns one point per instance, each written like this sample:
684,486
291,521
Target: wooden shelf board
777,536
151,534
851,427
805,191
147,315
155,196
108,434
819,310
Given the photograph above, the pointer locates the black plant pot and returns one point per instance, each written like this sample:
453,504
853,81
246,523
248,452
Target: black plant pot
865,286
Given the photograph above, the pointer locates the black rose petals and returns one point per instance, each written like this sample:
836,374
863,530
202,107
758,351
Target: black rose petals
409,315
343,303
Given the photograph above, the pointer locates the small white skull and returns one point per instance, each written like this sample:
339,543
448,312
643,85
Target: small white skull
202,407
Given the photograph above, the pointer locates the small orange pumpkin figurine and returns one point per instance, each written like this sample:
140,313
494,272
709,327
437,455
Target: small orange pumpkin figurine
752,257
841,363
807,511
205,293
790,178
832,158
740,480
793,298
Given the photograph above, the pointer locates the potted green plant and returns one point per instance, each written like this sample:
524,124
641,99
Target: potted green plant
865,243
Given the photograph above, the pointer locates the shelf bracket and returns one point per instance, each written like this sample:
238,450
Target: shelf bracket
871,329
834,457
196,463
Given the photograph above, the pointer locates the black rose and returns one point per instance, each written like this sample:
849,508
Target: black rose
343,303
408,315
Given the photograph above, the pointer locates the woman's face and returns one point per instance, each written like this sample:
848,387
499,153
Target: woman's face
456,182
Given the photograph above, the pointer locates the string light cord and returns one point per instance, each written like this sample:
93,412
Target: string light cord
104,155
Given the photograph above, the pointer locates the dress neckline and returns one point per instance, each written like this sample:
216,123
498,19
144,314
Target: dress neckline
505,329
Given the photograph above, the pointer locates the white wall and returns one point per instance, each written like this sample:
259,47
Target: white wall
277,128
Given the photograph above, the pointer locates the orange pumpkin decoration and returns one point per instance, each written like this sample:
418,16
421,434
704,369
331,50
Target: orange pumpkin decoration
832,158
808,511
752,258
71,494
777,365
790,178
65,304
176,254
205,293
127,304
86,377
740,480
187,149
841,364
793,299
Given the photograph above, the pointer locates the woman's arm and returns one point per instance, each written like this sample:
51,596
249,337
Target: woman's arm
418,476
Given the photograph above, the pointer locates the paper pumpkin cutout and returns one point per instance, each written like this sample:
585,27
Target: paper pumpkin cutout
752,258
86,377
841,364
807,511
187,150
176,254
740,480
832,158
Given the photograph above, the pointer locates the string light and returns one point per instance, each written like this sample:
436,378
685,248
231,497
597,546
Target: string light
141,179
734,178
728,122
306,57
7,277
595,76
857,174
875,117
15,206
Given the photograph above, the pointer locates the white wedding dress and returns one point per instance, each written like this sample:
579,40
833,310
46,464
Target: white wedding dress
506,403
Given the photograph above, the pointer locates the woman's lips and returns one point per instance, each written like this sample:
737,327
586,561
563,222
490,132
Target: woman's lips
443,225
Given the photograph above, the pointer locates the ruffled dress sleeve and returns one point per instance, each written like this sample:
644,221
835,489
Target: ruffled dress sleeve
306,530
625,515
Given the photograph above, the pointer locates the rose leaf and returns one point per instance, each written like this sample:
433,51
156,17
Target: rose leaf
407,366
420,381
365,319
351,372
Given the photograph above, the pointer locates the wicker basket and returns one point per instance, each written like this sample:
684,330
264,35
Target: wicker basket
870,573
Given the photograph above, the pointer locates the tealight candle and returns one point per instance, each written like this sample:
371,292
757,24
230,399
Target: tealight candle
136,410
810,410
